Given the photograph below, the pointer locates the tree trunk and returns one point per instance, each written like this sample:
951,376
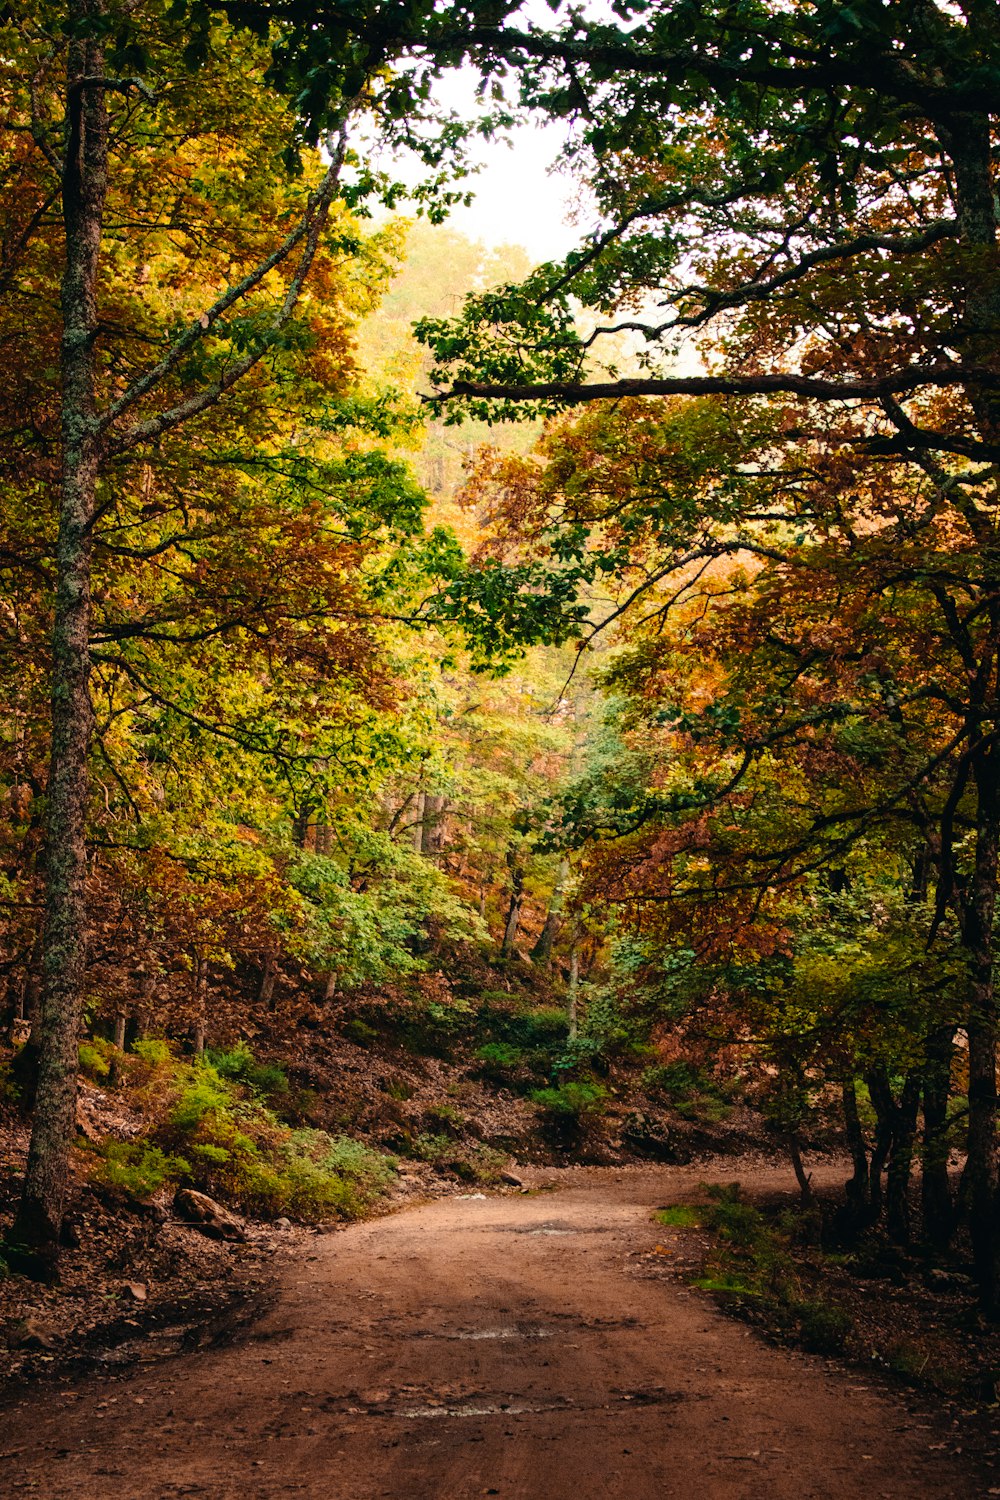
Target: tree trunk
419,802
937,1210
121,1021
541,953
84,189
897,1197
268,978
858,1189
897,1129
513,910
981,1167
882,1102
198,1029
573,991
802,1177
433,824
967,139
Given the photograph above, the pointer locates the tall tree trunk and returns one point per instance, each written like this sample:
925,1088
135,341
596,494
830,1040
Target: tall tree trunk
897,1127
937,1210
514,909
573,991
967,139
435,807
200,979
541,953
268,979
882,1103
419,803
802,1177
981,1167
858,1188
897,1196
84,190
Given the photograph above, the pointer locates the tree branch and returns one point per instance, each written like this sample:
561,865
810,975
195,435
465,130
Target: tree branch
308,230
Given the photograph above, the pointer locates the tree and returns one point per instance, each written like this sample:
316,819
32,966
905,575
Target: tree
184,276
809,652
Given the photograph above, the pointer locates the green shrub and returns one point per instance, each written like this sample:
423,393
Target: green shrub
823,1328
446,1115
681,1216
360,1033
499,1060
239,1065
312,1176
138,1168
431,1147
736,1220
10,1091
205,1094
691,1091
153,1050
577,1099
93,1061
215,1132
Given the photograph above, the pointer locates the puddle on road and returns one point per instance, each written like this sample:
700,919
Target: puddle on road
551,1226
432,1408
474,1335
475,1409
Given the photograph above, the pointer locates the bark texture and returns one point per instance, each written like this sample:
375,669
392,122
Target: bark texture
84,190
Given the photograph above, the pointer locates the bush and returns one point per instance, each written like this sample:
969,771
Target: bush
97,1058
502,1061
752,1264
680,1216
312,1176
472,1162
239,1065
204,1094
693,1094
575,1100
154,1056
10,1090
360,1033
138,1168
216,1133
823,1328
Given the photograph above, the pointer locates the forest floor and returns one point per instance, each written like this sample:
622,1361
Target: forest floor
516,1344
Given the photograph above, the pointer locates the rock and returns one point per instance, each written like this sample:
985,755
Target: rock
32,1334
203,1213
136,1290
511,1179
282,1223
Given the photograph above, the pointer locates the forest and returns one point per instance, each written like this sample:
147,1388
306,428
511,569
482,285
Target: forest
466,718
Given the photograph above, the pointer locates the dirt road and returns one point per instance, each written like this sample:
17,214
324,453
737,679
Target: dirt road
519,1346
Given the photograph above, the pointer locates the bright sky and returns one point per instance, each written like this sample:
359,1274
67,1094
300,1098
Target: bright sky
519,202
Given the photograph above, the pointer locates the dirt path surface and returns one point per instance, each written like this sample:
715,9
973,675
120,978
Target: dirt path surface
517,1346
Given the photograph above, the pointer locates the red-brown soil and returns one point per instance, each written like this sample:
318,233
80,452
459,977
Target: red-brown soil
511,1345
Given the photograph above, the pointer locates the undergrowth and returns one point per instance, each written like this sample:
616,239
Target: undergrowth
216,1126
750,1265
